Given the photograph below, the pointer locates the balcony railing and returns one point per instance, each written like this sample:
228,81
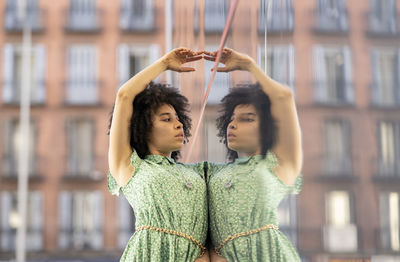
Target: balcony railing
385,170
143,22
82,92
12,23
338,166
385,26
282,21
75,171
378,101
345,98
11,93
10,167
331,21
88,21
81,239
387,240
34,239
341,238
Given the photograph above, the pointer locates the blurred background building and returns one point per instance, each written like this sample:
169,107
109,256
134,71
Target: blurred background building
341,59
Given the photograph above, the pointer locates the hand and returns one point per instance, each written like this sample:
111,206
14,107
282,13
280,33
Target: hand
231,59
174,59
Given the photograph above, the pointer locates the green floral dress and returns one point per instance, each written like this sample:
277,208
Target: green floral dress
245,195
166,195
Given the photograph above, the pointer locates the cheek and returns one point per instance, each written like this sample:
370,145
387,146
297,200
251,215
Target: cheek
252,136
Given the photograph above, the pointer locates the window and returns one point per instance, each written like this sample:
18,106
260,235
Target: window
287,218
137,15
389,148
82,15
337,156
389,220
12,74
80,147
332,15
339,209
383,19
12,145
386,77
333,76
82,86
215,14
340,232
126,220
14,23
133,59
277,14
80,220
220,85
280,63
216,150
9,221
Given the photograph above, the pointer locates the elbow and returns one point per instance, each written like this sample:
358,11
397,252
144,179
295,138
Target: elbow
122,96
286,93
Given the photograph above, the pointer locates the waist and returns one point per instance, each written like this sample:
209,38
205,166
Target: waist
176,233
244,233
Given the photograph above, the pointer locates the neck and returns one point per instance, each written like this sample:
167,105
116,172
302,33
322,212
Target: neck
249,153
155,151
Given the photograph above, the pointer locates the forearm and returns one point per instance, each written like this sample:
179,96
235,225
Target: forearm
271,87
139,82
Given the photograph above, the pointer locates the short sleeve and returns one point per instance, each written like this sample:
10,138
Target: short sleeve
272,161
112,184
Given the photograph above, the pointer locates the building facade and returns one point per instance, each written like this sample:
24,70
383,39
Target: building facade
341,59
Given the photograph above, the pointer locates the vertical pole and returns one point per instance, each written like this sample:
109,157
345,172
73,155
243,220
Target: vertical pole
23,150
168,33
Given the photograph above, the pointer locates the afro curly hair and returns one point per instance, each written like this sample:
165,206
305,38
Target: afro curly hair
247,94
145,104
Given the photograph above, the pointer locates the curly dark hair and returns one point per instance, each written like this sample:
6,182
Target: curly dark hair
248,94
145,105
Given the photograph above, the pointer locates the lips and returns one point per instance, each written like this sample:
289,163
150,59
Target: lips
231,135
179,135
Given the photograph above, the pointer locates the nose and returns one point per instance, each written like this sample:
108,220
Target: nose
232,125
178,124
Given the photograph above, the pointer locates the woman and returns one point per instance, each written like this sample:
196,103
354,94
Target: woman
259,125
169,199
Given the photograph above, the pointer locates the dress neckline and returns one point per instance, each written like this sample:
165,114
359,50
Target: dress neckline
158,159
248,159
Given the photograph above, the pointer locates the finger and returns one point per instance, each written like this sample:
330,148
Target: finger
186,69
198,53
208,53
210,58
223,69
194,58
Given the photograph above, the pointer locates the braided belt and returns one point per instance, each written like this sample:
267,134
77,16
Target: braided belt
176,233
241,234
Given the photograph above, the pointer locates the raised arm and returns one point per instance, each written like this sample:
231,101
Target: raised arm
119,150
288,148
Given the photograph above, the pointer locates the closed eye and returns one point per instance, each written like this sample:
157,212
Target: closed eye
246,120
